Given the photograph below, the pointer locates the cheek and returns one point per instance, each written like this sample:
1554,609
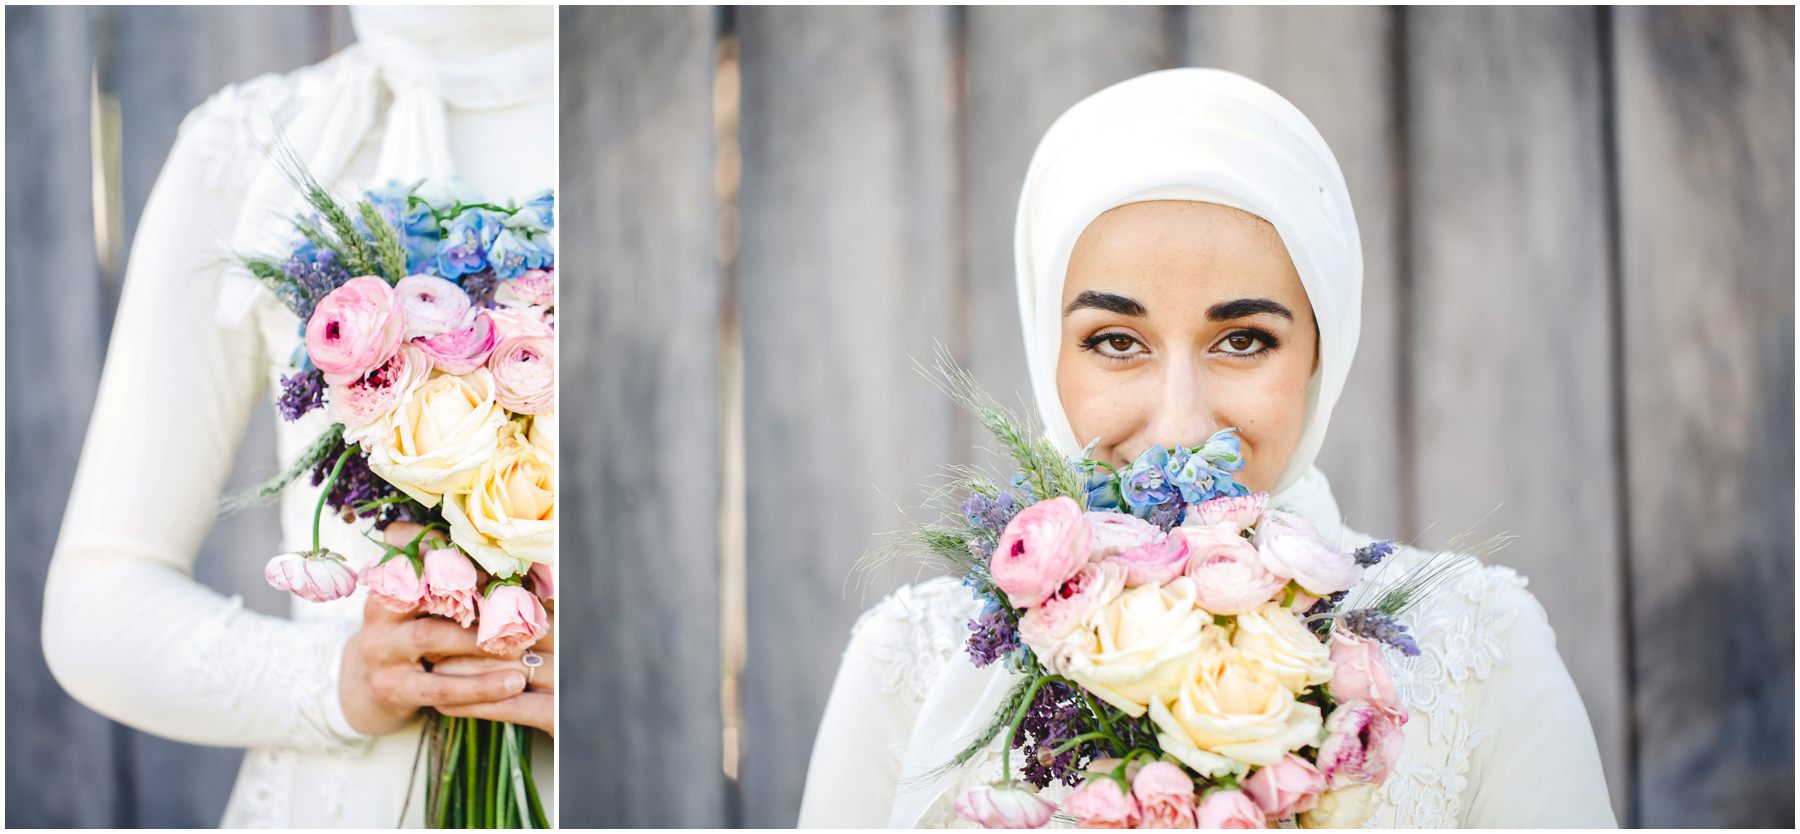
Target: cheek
1269,409
1096,402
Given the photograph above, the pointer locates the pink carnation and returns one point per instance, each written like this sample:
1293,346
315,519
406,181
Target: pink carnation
361,402
1047,628
354,329
1361,744
1041,548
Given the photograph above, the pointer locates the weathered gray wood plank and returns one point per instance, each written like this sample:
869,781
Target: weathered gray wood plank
54,343
1020,78
1513,334
1335,65
640,383
846,270
1706,172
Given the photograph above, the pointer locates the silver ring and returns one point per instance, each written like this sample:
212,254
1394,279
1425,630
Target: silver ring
532,661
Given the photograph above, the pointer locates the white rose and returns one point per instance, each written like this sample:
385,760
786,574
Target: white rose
507,520
1343,808
1273,638
1229,714
543,432
437,439
1139,644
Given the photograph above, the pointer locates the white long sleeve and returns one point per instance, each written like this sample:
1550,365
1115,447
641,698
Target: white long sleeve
127,631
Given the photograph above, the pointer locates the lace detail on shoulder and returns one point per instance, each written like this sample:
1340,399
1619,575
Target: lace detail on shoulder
1460,643
240,652
914,631
225,129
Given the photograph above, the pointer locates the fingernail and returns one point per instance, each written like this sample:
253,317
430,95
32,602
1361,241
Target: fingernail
515,681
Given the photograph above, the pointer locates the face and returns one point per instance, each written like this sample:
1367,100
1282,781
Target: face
1181,318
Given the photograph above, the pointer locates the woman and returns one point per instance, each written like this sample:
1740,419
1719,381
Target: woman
1188,260
330,702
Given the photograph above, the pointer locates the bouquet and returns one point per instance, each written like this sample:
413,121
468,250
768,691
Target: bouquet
428,340
1187,655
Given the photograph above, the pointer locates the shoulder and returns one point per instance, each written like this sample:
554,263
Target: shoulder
227,131
913,632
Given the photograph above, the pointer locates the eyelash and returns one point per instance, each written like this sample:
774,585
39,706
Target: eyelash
1268,340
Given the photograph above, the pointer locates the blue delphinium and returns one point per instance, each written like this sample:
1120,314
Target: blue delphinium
467,239
1145,484
412,219
513,253
541,209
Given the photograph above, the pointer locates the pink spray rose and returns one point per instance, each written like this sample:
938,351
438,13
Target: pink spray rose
1226,569
1053,629
395,584
521,321
1153,563
536,288
1115,533
1228,809
465,348
1165,796
1240,511
432,305
1004,806
354,329
1361,743
321,576
543,581
1362,673
362,402
1290,786
512,619
1044,545
450,581
1292,549
524,369
1099,803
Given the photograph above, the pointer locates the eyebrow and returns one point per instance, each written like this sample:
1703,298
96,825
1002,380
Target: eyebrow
1223,311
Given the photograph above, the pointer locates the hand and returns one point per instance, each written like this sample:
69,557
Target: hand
383,683
535,707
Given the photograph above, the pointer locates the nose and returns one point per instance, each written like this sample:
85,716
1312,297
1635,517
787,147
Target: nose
1185,413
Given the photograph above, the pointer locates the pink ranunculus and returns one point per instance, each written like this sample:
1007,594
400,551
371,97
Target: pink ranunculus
1153,563
1285,788
1362,673
512,619
1361,743
365,400
521,321
395,584
1050,629
543,581
1240,511
464,349
1165,796
1041,548
354,329
432,305
1228,574
450,581
536,288
1100,803
1004,806
524,369
1228,809
320,576
1292,549
1115,533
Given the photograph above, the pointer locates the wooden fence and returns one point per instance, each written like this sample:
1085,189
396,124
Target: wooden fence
93,98
1579,308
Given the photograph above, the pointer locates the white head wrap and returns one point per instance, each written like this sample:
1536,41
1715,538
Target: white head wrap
1206,135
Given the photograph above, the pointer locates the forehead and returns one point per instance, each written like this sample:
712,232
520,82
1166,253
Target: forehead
1182,248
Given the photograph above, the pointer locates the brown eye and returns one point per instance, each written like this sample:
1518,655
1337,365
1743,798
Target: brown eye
1245,343
1114,345
1121,343
1241,342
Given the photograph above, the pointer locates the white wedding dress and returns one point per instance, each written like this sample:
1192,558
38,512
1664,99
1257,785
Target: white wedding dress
127,631
1498,736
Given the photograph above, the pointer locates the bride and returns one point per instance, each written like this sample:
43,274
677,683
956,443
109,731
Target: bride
1187,260
329,702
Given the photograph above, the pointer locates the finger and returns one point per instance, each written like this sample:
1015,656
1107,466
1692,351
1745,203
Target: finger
374,612
401,533
547,643
532,709
426,637
544,680
430,689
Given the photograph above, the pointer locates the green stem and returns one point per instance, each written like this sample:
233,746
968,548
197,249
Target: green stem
447,773
492,774
359,509
319,510
502,797
471,798
1106,724
539,818
518,775
1077,741
1012,729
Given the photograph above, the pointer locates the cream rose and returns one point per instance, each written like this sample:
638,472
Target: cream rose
1273,638
437,439
1229,714
507,520
543,432
1139,644
1343,808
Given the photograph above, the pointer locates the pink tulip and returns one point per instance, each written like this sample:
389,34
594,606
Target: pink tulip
511,620
319,576
1004,806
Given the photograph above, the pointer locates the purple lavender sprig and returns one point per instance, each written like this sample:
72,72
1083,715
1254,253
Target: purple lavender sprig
300,393
1054,717
1372,624
993,636
1371,554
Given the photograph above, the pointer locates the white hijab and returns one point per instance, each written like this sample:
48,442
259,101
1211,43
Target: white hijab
1206,135
428,59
